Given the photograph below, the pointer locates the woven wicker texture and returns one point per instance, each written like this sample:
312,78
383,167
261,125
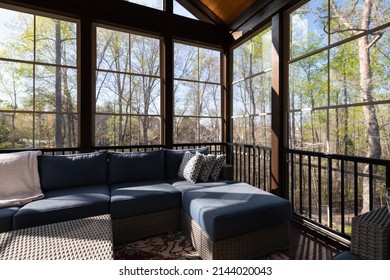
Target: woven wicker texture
371,235
246,246
82,239
137,227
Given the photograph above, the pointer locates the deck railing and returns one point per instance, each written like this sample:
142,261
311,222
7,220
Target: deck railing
329,190
251,164
45,151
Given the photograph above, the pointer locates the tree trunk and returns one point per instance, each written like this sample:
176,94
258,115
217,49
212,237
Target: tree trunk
373,141
58,86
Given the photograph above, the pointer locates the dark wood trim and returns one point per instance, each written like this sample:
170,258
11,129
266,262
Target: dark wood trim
199,10
132,16
227,100
86,87
168,97
168,6
277,124
248,14
263,14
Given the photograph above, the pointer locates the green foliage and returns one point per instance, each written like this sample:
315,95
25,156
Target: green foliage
252,90
39,81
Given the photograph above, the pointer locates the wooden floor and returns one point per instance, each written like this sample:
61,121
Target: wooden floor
304,246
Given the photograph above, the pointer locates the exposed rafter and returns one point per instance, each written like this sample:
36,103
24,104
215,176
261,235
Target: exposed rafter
234,15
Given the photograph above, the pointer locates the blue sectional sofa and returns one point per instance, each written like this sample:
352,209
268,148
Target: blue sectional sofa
225,219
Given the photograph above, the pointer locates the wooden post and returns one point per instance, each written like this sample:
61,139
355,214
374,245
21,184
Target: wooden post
278,185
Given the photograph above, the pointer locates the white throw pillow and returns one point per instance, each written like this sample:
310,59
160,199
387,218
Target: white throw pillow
19,175
192,168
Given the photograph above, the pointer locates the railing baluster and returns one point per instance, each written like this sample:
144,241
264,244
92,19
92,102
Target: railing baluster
371,186
249,167
309,185
330,193
254,167
292,180
387,177
356,187
267,184
241,164
244,171
342,197
320,189
236,161
300,185
259,166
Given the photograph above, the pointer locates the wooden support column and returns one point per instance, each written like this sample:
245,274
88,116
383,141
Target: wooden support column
86,82
168,96
227,100
278,186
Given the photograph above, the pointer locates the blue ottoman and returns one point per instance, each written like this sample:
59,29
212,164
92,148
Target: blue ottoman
346,256
235,221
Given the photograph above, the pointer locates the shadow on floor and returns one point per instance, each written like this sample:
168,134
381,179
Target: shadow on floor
304,246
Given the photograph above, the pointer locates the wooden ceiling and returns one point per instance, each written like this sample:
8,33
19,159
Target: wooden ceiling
228,10
235,15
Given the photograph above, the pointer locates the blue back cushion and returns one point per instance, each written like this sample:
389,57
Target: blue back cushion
173,159
58,172
135,166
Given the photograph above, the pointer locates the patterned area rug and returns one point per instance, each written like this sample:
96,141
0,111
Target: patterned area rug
169,246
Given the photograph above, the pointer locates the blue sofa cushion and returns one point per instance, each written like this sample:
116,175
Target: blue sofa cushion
234,209
346,255
137,198
173,159
184,185
67,171
63,205
136,166
6,218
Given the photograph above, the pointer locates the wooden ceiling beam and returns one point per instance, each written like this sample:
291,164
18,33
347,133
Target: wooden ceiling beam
199,10
261,14
248,14
132,16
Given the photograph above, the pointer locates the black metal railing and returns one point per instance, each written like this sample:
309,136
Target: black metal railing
45,151
135,148
214,148
329,190
251,164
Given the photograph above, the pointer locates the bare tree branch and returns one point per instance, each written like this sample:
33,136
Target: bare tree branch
378,35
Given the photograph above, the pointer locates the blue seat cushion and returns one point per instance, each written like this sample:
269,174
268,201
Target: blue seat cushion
6,218
66,171
184,185
135,166
65,204
137,198
234,209
173,159
346,256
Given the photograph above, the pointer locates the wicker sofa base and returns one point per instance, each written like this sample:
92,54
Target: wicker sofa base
246,246
142,226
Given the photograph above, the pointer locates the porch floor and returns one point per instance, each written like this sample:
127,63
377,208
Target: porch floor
304,246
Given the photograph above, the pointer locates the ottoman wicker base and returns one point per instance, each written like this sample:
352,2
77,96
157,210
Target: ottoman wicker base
142,226
246,246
